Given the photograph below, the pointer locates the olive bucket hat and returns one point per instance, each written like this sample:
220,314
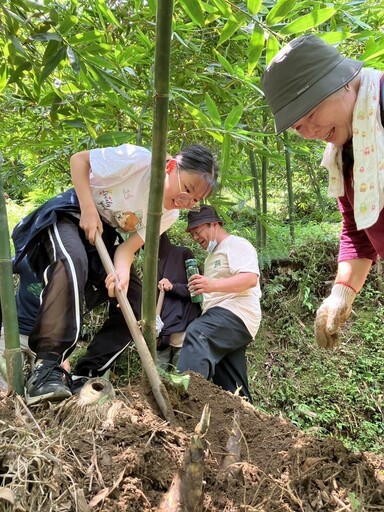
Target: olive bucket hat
303,74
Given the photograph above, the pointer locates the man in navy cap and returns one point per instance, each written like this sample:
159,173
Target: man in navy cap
215,343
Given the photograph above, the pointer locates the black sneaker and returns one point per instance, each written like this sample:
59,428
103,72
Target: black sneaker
78,382
48,382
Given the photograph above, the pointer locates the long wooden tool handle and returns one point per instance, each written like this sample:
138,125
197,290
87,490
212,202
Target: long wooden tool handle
158,388
160,301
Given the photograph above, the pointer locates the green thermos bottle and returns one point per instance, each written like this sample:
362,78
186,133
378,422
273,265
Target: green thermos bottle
191,268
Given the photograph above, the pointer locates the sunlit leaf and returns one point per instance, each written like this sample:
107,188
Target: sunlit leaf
229,29
224,62
114,138
254,6
308,21
86,37
225,154
3,76
256,45
233,117
280,11
272,48
194,11
67,22
225,9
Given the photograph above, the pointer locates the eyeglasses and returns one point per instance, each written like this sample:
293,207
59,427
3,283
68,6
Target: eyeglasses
196,232
184,198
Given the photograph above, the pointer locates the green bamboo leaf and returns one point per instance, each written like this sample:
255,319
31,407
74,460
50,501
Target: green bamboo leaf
225,9
335,37
256,45
3,76
19,71
216,135
107,14
17,45
254,6
67,22
308,21
213,110
224,62
280,11
372,51
229,29
51,50
272,48
233,117
73,60
86,37
225,155
46,36
194,10
52,63
198,115
114,138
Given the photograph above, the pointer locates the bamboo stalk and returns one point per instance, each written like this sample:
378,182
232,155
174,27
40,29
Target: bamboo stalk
159,151
158,388
14,364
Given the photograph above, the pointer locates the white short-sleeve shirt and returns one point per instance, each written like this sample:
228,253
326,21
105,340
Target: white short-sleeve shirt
119,180
232,256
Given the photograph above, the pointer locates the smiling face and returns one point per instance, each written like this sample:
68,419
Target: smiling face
201,234
331,120
183,189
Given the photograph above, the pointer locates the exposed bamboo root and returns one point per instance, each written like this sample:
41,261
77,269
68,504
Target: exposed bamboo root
95,405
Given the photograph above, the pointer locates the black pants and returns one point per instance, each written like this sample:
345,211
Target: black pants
73,267
214,346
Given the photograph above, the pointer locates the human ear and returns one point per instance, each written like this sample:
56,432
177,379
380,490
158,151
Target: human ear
171,165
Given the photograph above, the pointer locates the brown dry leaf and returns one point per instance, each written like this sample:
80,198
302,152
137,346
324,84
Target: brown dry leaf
100,496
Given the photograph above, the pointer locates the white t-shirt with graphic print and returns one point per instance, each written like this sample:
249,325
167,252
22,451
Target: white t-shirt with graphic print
119,182
235,255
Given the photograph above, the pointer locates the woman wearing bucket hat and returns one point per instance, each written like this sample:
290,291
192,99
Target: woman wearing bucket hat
215,343
329,97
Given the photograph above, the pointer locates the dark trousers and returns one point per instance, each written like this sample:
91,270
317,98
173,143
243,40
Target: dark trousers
59,321
113,337
214,346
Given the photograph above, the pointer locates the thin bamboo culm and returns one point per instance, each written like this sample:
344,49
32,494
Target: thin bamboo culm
13,358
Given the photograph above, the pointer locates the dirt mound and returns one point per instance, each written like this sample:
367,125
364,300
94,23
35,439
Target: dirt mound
124,457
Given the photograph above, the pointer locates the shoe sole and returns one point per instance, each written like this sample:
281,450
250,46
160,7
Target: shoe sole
54,396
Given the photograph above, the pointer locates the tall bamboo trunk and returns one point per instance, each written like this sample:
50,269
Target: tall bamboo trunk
13,359
159,152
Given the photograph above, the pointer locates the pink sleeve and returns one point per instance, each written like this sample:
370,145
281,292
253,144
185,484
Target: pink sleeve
354,243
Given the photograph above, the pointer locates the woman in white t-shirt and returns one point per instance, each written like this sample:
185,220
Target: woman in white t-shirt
111,189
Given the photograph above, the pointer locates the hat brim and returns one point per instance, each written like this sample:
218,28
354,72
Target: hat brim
340,75
197,223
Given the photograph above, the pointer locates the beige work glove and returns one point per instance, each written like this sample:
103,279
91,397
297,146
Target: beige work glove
332,314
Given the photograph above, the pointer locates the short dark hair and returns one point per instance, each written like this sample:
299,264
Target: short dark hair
197,158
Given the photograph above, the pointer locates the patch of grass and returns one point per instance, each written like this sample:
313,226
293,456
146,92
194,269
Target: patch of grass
336,393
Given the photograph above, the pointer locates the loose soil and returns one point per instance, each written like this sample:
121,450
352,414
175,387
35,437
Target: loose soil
122,456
